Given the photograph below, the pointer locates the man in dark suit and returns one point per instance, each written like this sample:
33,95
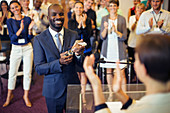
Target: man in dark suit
51,61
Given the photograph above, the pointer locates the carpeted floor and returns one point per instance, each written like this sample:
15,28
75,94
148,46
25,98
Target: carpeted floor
17,105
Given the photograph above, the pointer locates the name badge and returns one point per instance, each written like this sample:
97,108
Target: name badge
5,26
21,40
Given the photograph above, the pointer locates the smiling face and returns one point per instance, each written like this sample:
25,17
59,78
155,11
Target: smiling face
37,3
56,17
140,9
25,3
113,8
78,9
4,6
88,4
15,8
156,4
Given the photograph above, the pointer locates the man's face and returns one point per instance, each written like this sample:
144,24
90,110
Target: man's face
37,3
156,4
135,2
56,17
88,4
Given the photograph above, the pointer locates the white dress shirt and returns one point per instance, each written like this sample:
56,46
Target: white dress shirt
143,24
133,36
53,33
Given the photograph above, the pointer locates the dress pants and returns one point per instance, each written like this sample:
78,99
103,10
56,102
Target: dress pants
56,105
18,53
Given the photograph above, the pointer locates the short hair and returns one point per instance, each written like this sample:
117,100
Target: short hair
154,53
141,4
52,5
114,2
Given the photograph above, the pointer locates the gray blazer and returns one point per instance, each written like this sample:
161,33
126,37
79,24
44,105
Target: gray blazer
121,27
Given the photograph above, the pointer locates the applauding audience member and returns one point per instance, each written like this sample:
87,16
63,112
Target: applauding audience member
4,15
82,24
152,65
19,28
155,20
116,29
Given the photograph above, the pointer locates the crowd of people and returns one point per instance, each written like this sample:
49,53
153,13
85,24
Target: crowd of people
38,35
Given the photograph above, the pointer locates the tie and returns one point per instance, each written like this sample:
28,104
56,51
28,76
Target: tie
58,42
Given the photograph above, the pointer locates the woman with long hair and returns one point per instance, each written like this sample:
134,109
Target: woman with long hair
19,28
82,24
4,15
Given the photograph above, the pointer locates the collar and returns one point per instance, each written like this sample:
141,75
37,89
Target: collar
53,33
133,8
37,10
160,11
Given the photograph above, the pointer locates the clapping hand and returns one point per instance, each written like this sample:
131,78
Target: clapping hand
113,28
88,67
160,23
106,25
151,22
22,24
31,25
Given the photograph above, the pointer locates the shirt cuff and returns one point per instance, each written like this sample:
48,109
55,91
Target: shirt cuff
101,106
127,104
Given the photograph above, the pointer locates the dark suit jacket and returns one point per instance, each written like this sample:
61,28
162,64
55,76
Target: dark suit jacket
46,60
86,32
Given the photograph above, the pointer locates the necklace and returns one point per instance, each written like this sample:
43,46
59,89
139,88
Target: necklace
155,19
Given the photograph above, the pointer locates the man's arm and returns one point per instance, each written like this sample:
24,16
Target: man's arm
166,28
142,27
43,67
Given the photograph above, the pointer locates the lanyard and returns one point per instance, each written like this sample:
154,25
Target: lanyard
155,18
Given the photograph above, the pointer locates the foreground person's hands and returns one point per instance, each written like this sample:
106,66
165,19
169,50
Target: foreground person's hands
88,67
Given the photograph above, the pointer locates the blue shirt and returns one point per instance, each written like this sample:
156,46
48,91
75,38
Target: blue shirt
14,25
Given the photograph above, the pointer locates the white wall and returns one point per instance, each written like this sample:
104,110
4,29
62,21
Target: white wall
124,5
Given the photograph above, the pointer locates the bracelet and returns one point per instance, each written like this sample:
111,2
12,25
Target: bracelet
127,104
101,106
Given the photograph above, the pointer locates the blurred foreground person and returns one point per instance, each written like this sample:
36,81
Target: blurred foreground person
152,66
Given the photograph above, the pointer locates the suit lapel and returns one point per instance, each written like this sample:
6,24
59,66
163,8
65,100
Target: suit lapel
66,41
49,40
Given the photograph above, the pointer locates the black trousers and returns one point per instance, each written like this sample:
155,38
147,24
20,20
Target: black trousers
56,105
